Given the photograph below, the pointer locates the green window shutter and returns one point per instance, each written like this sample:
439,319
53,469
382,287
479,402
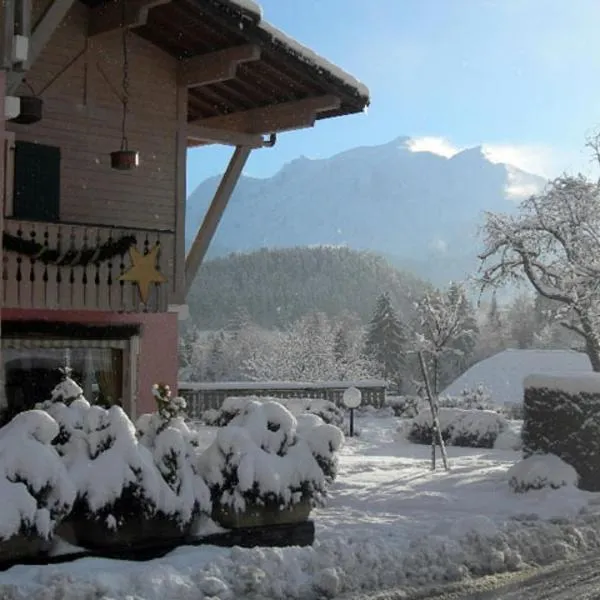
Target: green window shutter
36,182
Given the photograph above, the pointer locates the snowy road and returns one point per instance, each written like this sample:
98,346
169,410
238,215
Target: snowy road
578,578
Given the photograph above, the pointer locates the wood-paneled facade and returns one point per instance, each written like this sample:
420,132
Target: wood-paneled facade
199,72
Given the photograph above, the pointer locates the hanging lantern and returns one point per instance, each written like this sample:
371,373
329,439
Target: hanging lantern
125,159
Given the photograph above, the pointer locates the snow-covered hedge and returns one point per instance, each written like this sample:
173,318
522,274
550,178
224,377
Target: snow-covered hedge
265,457
561,418
174,448
475,398
235,405
470,428
405,406
541,471
117,477
35,489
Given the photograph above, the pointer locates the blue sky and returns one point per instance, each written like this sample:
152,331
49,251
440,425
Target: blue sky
520,77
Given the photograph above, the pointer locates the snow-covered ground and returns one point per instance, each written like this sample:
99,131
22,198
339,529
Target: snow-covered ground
390,521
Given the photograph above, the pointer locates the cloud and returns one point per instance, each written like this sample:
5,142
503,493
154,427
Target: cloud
436,145
539,160
521,185
536,159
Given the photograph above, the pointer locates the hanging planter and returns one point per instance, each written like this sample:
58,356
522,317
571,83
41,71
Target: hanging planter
31,110
124,160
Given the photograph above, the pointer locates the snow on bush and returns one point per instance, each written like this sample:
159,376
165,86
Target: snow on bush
476,398
174,447
406,406
323,439
235,405
541,471
115,476
509,439
561,418
260,458
35,488
469,428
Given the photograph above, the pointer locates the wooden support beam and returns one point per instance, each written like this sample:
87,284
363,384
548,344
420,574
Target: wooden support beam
53,16
178,290
109,16
207,135
215,67
7,30
214,213
286,116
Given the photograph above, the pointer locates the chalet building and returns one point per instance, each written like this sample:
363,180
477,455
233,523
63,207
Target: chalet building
101,101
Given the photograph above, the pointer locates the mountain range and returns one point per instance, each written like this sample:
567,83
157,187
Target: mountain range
420,210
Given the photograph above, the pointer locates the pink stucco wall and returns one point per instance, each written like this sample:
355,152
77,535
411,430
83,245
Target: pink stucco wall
158,342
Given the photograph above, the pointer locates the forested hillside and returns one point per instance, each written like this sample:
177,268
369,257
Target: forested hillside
277,287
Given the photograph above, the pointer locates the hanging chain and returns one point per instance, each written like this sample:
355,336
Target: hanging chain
124,141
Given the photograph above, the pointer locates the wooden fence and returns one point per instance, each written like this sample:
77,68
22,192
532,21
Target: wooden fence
204,396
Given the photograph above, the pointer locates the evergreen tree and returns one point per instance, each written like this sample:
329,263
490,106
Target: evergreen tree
385,342
216,358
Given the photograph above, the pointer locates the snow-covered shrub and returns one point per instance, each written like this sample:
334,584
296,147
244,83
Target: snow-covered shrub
405,406
235,405
211,417
540,471
514,412
260,459
323,439
476,398
68,406
509,439
561,418
35,488
174,447
115,476
459,427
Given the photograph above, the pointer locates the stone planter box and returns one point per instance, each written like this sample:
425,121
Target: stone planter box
261,516
94,534
22,546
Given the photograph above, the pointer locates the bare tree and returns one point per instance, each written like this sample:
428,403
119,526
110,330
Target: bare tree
553,244
448,327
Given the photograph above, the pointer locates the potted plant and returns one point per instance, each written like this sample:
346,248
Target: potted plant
35,488
173,446
122,498
260,471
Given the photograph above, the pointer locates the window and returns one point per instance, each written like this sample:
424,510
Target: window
36,182
103,366
32,371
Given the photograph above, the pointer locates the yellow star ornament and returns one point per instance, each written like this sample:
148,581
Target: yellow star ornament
143,271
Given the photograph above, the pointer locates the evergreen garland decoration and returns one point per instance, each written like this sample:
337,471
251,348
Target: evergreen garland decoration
70,257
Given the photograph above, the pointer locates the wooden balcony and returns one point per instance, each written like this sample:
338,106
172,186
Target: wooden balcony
80,265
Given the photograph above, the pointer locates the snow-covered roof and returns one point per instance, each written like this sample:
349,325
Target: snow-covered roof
307,55
504,373
296,49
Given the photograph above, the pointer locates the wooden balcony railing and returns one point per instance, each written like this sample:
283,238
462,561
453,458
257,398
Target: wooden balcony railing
77,267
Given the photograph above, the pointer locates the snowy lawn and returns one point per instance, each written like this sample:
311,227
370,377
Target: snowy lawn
389,521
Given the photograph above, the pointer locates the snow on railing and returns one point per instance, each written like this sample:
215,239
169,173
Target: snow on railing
204,396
